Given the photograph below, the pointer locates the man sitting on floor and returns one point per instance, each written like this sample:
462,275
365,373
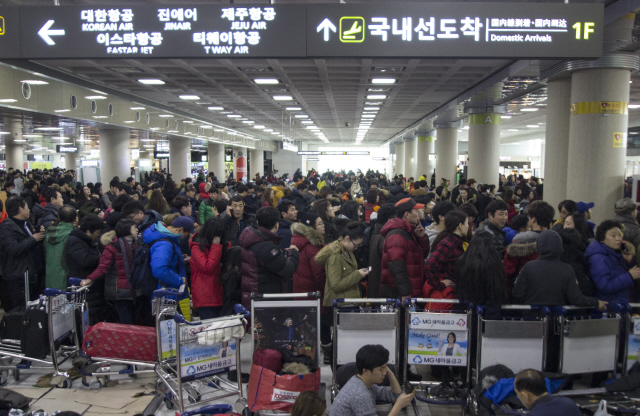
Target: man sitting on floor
359,395
531,389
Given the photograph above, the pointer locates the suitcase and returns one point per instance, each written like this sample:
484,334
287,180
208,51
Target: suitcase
35,333
11,325
129,342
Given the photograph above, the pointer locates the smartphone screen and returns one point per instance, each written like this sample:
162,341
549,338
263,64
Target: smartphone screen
369,268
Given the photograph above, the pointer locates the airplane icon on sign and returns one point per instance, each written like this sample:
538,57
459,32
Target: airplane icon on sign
351,29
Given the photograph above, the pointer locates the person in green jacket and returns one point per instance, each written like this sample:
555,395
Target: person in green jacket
54,242
212,207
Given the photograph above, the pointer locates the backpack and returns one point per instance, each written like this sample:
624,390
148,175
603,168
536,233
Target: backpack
141,277
362,253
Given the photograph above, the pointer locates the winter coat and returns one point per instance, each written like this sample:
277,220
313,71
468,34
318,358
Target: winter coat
473,200
206,290
167,264
278,193
548,281
498,235
342,273
432,232
265,268
45,216
308,200
521,250
483,202
298,200
82,257
403,254
205,210
375,261
610,273
56,266
368,210
309,276
234,229
396,193
31,198
330,232
441,265
112,267
19,252
284,232
631,231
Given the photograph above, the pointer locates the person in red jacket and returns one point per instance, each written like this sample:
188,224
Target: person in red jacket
405,248
206,258
371,205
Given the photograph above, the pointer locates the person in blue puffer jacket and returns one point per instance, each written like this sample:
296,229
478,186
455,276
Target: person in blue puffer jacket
612,265
167,263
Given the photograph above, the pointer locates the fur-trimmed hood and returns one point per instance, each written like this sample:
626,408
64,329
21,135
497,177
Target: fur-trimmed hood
108,238
524,244
328,251
311,234
333,199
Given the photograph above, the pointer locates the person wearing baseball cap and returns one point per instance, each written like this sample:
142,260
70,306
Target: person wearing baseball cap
405,248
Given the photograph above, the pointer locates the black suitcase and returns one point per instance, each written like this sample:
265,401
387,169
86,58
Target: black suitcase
35,333
11,325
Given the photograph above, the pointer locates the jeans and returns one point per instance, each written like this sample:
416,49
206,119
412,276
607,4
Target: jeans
208,312
127,311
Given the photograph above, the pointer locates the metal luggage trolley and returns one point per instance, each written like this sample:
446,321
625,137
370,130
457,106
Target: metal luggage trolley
631,337
427,336
588,341
358,322
214,409
189,369
62,327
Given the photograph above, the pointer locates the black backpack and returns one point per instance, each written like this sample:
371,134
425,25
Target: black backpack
362,253
141,277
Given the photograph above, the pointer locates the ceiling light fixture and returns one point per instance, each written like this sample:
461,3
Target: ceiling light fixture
215,108
35,82
8,100
371,109
529,110
533,126
61,111
376,97
383,81
293,109
259,126
301,116
49,128
136,108
506,116
165,115
249,122
266,81
151,81
307,122
95,97
282,97
31,136
188,97
634,106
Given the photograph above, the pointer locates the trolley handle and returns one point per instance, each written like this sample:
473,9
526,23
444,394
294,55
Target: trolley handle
545,310
74,281
241,310
429,300
208,410
160,293
366,300
611,307
284,295
55,292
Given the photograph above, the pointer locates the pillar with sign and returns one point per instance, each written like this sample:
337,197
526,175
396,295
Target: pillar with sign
426,149
240,163
484,147
14,150
447,152
179,158
400,158
115,157
598,133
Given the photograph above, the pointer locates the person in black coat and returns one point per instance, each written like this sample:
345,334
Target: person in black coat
236,220
573,255
82,257
30,194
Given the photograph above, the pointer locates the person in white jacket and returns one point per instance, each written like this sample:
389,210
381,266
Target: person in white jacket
451,348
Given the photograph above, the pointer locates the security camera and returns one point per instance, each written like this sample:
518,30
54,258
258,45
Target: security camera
346,124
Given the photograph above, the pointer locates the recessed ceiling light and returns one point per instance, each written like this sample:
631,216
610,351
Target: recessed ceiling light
31,136
268,130
264,81
383,81
95,97
275,133
189,97
312,127
99,116
215,108
368,116
633,106
258,126
137,108
187,121
293,108
151,81
61,111
533,126
506,116
35,82
371,108
4,132
363,128
49,128
376,97
301,116
165,115
19,140
234,115
248,122
8,100
529,109
282,97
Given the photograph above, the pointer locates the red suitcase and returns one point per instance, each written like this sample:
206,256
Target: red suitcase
130,342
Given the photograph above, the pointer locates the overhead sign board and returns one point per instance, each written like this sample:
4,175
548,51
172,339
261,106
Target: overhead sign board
333,153
66,149
421,30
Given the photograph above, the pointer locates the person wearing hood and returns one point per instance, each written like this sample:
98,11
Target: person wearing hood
48,215
548,281
30,194
207,249
54,243
612,266
396,193
115,266
405,248
264,267
204,189
385,213
627,214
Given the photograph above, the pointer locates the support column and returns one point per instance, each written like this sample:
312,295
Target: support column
70,161
447,153
256,165
240,163
597,142
179,158
556,145
115,157
411,155
426,151
484,147
14,151
215,157
400,159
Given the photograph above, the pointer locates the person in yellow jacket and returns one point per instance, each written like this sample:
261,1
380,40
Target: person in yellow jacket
321,184
278,193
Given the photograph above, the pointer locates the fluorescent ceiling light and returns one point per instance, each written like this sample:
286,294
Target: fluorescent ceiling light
35,82
531,110
513,130
172,131
61,111
32,136
371,108
20,141
312,127
506,116
275,132
383,81
215,108
266,81
165,115
249,122
301,116
368,116
268,130
282,97
234,115
99,116
148,145
307,122
154,128
151,81
187,121
293,109
376,97
533,126
633,106
95,97
188,97
49,128
258,126
130,121
8,100
137,108
147,140
2,133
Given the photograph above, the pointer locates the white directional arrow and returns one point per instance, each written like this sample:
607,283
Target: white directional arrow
45,32
326,25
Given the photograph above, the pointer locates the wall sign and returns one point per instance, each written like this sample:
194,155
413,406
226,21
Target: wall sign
453,29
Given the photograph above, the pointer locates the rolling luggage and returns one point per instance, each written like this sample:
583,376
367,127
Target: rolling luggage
129,342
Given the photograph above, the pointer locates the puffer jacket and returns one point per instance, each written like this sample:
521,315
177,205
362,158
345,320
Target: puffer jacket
498,234
342,273
284,232
375,261
112,267
522,250
264,267
298,200
167,264
45,216
631,228
205,210
403,254
441,265
309,276
278,193
610,273
396,193
31,198
206,290
234,230
54,242
82,257
203,194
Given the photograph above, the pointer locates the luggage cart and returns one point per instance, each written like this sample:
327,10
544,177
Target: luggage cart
589,339
62,329
203,350
358,322
102,368
213,409
631,337
426,336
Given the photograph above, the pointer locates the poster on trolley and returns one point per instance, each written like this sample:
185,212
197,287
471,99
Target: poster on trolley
294,328
438,339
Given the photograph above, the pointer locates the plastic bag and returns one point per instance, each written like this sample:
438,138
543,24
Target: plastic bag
602,409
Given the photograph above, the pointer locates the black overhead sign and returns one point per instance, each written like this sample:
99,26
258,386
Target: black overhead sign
421,30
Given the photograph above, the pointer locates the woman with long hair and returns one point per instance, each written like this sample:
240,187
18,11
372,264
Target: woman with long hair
574,246
445,252
157,203
325,210
267,198
207,251
350,209
579,222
